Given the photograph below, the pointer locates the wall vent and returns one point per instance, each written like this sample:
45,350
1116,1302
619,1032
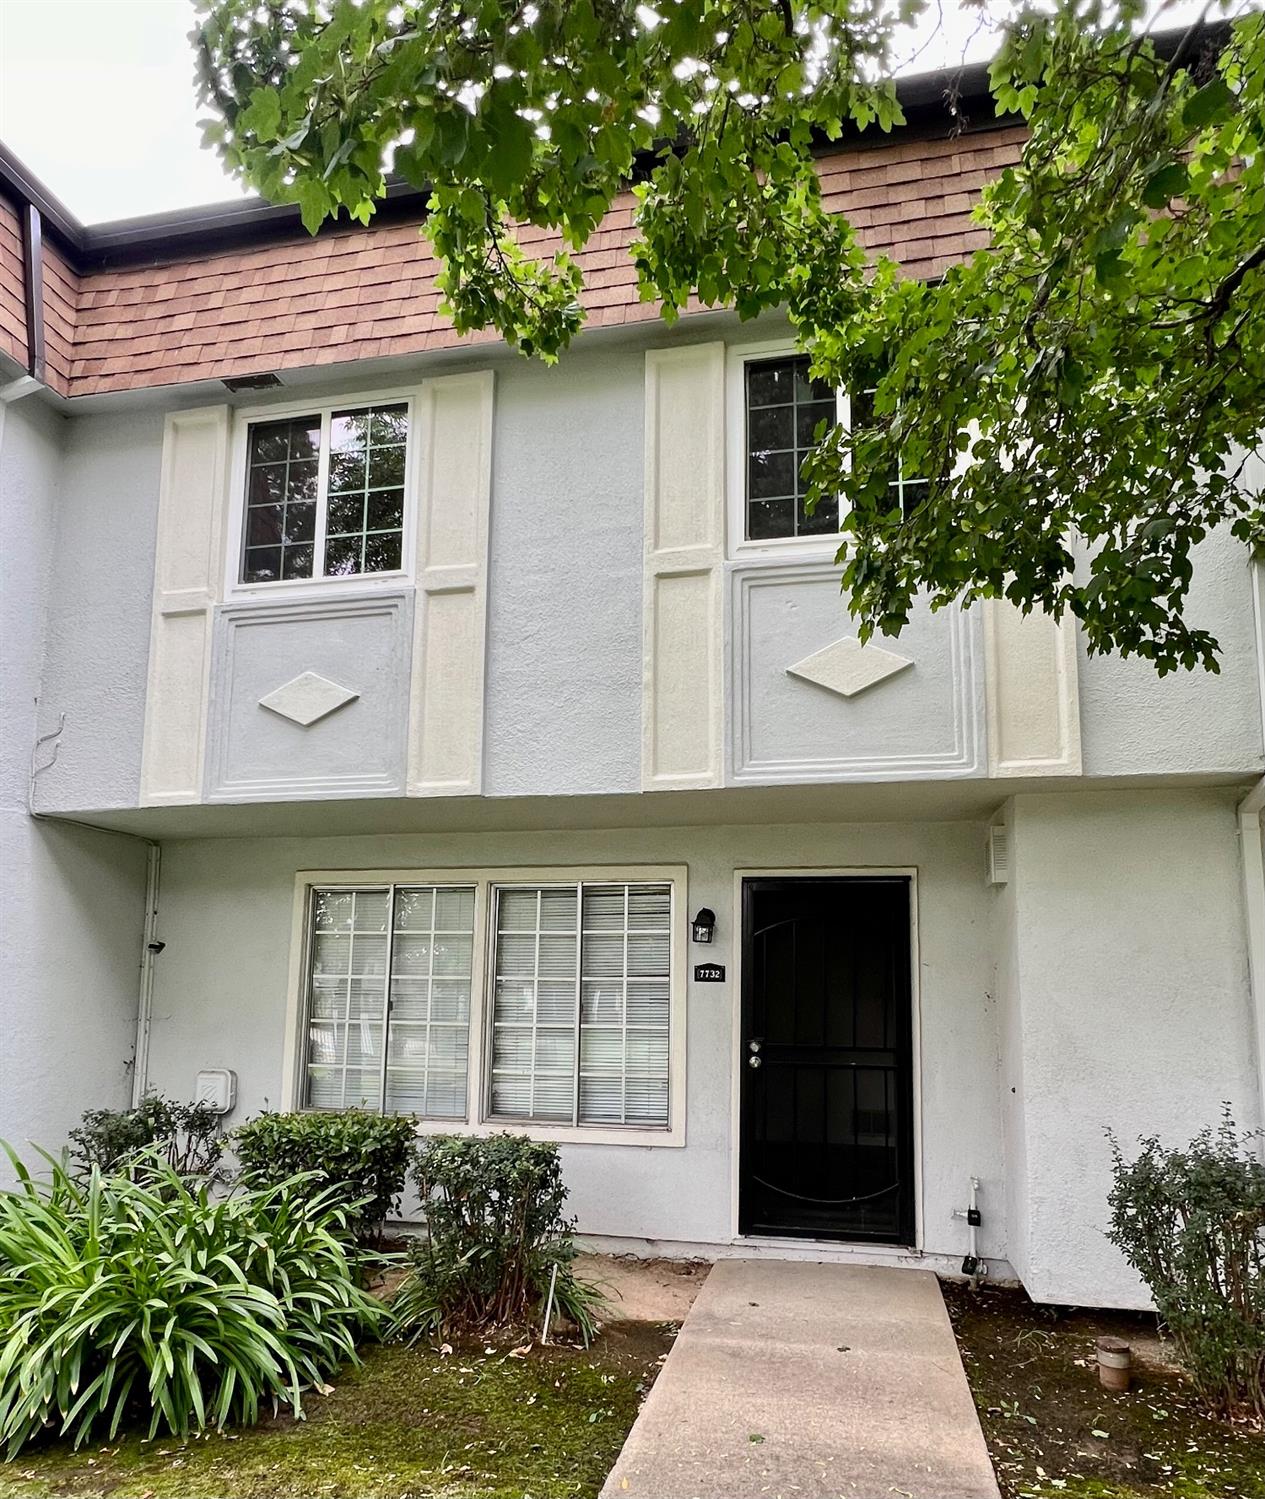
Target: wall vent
998,854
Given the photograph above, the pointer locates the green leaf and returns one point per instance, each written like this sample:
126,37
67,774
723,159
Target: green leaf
313,199
262,117
1209,105
1164,185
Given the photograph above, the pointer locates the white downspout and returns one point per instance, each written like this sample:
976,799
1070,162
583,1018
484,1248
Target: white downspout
150,948
1253,856
1251,836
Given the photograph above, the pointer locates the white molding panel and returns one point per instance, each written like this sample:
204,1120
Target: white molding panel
935,735
682,601
445,735
331,754
1034,725
187,573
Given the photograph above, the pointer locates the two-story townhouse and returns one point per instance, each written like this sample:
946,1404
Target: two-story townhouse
393,722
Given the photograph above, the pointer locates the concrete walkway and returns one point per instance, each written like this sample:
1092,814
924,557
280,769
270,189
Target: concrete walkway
793,1380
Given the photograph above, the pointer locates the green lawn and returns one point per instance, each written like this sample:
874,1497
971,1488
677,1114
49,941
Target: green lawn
412,1422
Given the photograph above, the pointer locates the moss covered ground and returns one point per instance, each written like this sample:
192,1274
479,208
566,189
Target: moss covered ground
1055,1433
478,1422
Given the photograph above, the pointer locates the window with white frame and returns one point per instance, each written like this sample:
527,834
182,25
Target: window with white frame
906,493
784,408
786,415
325,495
389,988
577,992
580,1004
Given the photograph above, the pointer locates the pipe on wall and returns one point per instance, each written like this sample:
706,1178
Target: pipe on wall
150,948
1252,853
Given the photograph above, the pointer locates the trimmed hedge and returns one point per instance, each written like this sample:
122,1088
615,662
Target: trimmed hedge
365,1157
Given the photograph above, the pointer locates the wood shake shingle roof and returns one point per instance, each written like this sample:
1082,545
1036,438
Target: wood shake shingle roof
355,293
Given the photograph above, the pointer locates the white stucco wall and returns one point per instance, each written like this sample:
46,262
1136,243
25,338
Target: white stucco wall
1127,1007
1134,722
97,645
220,998
564,646
71,899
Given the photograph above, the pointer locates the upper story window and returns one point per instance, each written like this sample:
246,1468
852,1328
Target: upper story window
325,495
906,492
782,411
784,407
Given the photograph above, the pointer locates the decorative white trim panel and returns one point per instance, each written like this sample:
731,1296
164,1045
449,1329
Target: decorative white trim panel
1034,726
682,605
445,733
243,768
848,667
187,573
959,751
307,699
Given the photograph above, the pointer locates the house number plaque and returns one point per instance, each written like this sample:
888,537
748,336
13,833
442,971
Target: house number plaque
709,973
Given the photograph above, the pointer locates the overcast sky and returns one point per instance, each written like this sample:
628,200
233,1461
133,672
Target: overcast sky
97,99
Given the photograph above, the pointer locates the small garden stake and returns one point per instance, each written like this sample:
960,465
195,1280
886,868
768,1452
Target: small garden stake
553,1284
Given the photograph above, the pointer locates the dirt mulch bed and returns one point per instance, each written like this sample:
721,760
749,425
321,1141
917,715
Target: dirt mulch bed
1052,1430
475,1421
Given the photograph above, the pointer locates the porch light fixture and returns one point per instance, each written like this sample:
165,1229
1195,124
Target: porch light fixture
704,925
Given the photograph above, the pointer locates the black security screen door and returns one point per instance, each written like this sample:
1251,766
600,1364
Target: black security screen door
827,1084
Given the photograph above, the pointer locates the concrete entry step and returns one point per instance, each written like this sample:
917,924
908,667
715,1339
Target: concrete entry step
809,1381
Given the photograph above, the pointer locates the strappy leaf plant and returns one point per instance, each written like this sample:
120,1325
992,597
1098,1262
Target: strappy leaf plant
140,1299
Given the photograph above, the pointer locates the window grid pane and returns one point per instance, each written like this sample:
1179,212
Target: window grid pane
534,1004
415,945
907,492
281,482
432,949
347,1004
784,409
624,1017
307,518
365,513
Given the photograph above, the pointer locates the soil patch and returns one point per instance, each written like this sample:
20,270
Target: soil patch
1052,1430
644,1290
479,1421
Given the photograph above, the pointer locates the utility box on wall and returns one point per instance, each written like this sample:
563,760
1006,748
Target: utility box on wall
218,1087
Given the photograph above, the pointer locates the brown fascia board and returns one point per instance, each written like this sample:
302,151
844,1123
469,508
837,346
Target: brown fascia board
948,101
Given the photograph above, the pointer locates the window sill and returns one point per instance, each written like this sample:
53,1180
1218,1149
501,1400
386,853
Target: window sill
792,549
301,589
560,1134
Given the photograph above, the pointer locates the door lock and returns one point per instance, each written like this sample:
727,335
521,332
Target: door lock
755,1043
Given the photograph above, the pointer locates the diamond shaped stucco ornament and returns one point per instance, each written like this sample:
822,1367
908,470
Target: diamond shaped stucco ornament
848,667
308,698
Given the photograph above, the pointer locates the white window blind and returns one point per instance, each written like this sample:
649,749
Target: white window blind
389,999
580,1005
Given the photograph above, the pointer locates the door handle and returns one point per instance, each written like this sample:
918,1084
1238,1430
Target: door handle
754,1061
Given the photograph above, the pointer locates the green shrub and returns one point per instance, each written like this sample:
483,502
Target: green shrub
188,1135
495,1232
364,1157
140,1295
1192,1223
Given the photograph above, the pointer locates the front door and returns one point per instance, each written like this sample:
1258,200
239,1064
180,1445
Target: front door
827,1060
